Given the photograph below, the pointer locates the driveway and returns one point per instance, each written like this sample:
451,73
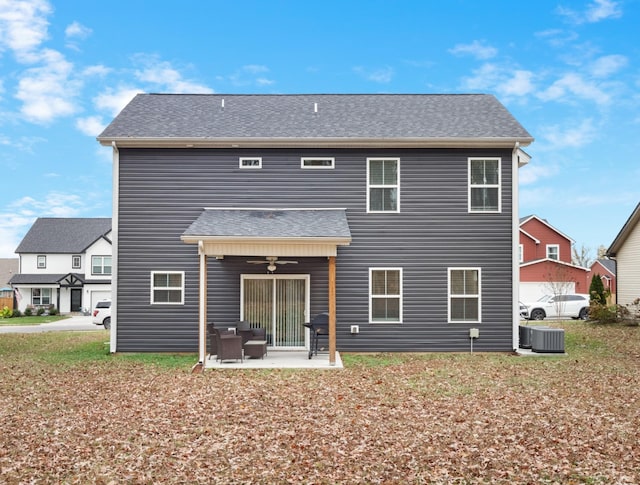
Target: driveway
75,323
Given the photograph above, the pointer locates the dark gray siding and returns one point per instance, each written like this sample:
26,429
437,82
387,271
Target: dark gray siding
163,191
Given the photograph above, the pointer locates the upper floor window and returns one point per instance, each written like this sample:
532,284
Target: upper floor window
521,253
41,261
553,251
76,261
464,294
101,265
308,162
167,287
383,185
484,185
385,295
250,162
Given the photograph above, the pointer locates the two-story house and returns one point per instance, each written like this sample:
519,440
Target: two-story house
64,262
545,255
396,214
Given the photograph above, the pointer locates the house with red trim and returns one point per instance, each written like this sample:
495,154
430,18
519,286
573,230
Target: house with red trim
545,261
606,269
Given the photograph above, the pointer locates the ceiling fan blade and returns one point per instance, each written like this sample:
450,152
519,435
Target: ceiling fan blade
257,262
286,262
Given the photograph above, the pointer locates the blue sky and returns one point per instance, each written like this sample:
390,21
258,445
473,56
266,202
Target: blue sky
569,71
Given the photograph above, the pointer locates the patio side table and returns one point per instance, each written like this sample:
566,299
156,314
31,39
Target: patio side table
255,348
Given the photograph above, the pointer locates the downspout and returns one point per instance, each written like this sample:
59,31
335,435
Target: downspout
515,235
113,333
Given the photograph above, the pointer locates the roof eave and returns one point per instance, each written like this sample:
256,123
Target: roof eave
436,142
195,239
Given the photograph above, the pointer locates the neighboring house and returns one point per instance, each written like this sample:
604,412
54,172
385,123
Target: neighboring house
8,267
64,262
606,268
545,261
625,250
396,214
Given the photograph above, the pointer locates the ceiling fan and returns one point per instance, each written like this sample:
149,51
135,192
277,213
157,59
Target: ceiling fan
271,261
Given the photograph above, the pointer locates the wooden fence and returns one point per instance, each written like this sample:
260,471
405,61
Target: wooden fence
6,302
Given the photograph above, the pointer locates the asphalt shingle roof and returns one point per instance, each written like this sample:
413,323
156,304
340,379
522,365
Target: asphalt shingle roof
63,235
342,116
271,223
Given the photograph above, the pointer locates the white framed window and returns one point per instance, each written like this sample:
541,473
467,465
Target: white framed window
100,265
167,287
383,185
553,251
250,162
464,295
41,296
317,162
41,261
385,295
521,253
76,261
485,194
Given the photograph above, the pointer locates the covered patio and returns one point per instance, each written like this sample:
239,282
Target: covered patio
270,233
278,359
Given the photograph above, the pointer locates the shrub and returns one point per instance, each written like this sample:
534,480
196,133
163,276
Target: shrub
40,311
603,313
28,311
6,312
596,290
16,313
53,310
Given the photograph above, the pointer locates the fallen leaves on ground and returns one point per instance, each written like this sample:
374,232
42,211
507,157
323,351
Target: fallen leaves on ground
419,418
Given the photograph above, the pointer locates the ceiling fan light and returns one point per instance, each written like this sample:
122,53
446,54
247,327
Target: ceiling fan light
271,267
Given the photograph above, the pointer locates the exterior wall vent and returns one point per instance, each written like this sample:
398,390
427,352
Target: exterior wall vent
549,340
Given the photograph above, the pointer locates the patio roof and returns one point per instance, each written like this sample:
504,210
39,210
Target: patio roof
269,232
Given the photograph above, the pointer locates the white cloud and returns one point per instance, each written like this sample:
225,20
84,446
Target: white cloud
77,30
519,84
97,70
477,49
577,135
20,214
595,12
532,173
48,91
382,75
574,84
263,81
255,68
163,75
249,74
484,78
113,101
607,65
23,26
91,125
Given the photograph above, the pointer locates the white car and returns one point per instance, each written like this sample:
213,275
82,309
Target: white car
564,306
102,314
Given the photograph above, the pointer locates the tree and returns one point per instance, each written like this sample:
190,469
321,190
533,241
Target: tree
596,290
582,256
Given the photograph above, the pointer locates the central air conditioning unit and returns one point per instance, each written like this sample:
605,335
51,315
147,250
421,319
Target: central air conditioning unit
547,340
524,332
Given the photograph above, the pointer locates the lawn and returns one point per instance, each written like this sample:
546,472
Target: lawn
32,320
70,413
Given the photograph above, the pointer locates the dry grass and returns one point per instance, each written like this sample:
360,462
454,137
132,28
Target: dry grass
402,418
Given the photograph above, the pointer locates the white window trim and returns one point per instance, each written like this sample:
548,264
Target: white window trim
250,167
317,167
41,296
42,257
371,296
396,186
557,247
181,288
449,296
73,258
480,186
102,256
